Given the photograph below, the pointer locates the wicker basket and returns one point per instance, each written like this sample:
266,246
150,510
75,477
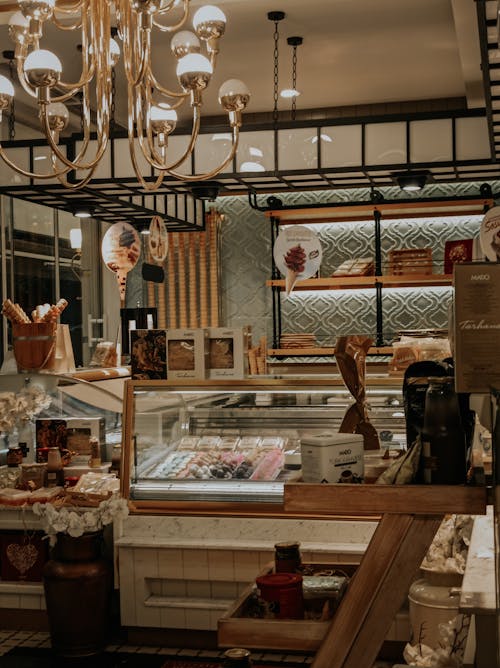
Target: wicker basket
34,345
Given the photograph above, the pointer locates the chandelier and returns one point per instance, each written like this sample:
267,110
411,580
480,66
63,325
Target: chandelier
151,107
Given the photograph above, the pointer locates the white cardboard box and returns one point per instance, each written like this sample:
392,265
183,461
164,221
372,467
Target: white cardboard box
332,457
226,352
187,352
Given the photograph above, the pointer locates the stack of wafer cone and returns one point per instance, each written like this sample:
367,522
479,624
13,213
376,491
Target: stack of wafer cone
257,358
14,312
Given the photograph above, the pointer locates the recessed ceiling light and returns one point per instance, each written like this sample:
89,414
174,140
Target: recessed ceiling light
323,137
255,152
40,157
250,166
411,181
289,92
222,136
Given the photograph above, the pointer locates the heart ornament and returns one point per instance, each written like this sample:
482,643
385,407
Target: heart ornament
22,557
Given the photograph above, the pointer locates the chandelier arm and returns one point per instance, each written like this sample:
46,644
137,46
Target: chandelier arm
129,41
68,9
30,175
179,24
20,58
102,144
165,91
70,26
217,170
140,178
74,186
169,6
156,162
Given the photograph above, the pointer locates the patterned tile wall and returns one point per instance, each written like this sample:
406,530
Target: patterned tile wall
246,265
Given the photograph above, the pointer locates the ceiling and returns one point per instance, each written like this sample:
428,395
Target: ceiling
354,52
359,59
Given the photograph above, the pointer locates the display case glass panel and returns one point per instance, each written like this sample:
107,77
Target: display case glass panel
236,441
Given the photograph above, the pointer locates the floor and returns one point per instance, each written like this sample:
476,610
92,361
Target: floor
32,649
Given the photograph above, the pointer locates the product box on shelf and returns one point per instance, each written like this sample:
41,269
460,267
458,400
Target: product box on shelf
50,433
148,354
226,356
187,352
477,326
71,433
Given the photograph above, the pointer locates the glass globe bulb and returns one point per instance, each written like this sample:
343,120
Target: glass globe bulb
19,20
58,115
19,28
114,52
163,119
6,87
234,95
208,13
193,62
41,59
42,68
209,22
184,42
163,112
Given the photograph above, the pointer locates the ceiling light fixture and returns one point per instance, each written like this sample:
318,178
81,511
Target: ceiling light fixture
411,181
152,108
292,92
82,211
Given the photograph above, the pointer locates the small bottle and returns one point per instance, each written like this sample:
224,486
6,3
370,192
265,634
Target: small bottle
287,557
54,475
444,457
95,452
237,657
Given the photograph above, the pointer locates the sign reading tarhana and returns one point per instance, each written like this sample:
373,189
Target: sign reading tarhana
477,326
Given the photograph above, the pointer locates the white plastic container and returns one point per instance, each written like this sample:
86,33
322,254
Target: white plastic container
328,456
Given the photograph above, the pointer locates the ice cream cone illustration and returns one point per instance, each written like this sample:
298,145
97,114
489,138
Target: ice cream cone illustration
295,260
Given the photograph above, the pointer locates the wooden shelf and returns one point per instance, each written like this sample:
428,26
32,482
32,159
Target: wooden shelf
323,351
365,211
360,282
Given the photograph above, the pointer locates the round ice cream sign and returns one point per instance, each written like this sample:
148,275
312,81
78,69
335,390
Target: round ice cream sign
297,254
489,234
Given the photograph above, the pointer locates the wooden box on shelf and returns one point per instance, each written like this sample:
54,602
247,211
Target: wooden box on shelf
410,261
237,629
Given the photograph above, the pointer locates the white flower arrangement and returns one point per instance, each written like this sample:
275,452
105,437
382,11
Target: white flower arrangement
448,551
75,521
21,407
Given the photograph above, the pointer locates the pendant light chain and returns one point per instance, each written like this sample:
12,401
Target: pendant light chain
12,114
112,122
276,17
294,42
276,72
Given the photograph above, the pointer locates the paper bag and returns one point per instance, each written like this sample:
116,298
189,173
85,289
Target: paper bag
64,359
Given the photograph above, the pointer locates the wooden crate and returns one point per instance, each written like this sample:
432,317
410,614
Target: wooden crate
234,629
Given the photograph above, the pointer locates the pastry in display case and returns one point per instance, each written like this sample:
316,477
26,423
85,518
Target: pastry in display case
236,441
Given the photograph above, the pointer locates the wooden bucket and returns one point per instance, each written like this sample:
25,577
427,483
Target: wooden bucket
34,345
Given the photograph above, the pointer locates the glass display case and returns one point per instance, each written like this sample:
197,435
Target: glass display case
237,441
26,398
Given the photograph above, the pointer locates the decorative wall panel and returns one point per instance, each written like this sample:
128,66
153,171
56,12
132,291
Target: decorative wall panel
246,265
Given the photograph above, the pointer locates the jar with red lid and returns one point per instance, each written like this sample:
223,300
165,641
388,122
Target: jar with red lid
283,594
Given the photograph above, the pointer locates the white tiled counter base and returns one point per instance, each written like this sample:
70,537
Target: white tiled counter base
184,572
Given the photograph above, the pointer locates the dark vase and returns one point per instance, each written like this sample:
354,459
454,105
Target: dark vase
78,586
